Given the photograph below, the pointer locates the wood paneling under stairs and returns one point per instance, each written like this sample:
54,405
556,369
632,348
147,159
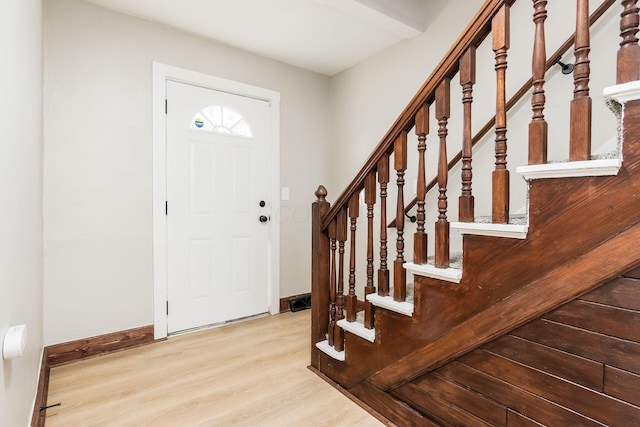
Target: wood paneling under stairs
252,373
578,365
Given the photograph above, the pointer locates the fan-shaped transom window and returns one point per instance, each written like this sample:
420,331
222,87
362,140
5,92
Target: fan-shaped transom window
221,119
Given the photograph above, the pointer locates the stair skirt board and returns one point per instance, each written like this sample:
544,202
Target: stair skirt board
389,303
324,347
357,328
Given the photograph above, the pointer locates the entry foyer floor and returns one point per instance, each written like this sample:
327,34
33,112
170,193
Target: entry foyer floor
252,373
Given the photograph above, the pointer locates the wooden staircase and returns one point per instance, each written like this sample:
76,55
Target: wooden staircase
538,323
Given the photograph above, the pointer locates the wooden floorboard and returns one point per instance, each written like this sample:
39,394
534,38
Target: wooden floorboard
247,374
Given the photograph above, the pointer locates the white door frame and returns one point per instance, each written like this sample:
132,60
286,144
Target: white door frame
162,73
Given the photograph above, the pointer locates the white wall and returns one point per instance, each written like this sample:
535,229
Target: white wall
367,98
97,169
21,195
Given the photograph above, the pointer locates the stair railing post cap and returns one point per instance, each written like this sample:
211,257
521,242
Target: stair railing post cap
321,193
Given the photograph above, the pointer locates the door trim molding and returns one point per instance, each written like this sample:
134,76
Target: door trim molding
161,74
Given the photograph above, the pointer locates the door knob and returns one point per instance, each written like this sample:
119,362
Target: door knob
263,218
262,204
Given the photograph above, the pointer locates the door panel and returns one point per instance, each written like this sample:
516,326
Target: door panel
217,249
202,182
202,280
241,173
241,255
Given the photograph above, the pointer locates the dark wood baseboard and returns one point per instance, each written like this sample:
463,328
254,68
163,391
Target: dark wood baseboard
284,302
38,416
73,351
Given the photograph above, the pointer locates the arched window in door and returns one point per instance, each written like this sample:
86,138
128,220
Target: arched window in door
221,119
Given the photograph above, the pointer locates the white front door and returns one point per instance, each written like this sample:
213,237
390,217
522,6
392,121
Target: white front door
217,195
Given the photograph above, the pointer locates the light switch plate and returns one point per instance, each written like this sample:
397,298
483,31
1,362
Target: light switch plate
285,193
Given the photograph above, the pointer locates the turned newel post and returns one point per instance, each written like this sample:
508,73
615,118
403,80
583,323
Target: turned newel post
629,53
420,237
320,282
580,123
500,176
400,165
538,128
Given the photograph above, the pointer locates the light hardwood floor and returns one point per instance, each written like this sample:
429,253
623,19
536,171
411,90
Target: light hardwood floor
252,373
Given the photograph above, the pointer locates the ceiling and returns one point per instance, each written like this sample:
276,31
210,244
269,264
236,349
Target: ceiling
325,36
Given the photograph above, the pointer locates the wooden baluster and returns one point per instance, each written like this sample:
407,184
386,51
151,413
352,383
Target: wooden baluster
500,178
467,80
400,165
629,53
352,300
443,112
420,237
341,220
370,200
538,128
319,274
580,123
333,231
383,180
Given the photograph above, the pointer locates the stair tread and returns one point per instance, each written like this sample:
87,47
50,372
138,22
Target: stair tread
357,327
520,219
603,165
324,347
389,303
512,230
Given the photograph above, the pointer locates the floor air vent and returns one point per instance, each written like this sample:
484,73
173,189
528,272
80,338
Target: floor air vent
300,303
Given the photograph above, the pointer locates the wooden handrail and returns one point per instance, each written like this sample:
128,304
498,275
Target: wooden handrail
597,14
473,35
